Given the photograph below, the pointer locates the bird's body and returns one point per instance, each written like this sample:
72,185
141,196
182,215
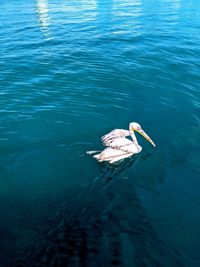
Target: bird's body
121,148
118,146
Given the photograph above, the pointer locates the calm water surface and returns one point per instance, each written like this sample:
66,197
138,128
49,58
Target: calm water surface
70,72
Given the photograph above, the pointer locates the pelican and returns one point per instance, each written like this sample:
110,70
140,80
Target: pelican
119,147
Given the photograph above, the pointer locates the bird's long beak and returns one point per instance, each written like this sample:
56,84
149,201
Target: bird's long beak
139,130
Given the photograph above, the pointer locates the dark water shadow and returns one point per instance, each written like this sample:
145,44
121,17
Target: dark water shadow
107,226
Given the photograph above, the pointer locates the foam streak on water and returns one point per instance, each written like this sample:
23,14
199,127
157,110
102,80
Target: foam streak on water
70,72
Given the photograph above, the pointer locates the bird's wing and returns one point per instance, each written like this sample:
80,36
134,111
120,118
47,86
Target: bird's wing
109,138
123,144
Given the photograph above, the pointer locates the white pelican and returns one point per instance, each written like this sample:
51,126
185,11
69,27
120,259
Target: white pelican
118,146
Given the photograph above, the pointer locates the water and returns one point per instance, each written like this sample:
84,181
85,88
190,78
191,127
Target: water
71,71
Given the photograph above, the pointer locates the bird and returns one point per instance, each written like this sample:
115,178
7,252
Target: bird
118,146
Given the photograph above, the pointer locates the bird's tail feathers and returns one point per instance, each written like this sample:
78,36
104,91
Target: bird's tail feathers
92,152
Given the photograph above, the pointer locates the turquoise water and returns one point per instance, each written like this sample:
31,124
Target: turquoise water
71,71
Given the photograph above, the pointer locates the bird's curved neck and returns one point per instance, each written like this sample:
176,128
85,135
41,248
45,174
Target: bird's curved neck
132,134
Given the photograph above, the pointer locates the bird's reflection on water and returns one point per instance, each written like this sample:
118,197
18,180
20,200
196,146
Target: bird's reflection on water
107,226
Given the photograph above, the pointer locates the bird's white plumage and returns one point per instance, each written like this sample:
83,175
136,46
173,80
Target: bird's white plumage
118,146
114,134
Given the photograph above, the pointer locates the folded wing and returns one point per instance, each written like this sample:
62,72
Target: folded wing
112,137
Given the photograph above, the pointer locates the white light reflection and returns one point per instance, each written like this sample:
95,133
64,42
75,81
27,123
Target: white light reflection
43,17
127,16
170,10
77,10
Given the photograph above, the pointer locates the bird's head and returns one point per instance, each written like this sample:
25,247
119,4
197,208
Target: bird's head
134,126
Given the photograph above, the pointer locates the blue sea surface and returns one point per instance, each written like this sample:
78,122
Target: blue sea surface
71,71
